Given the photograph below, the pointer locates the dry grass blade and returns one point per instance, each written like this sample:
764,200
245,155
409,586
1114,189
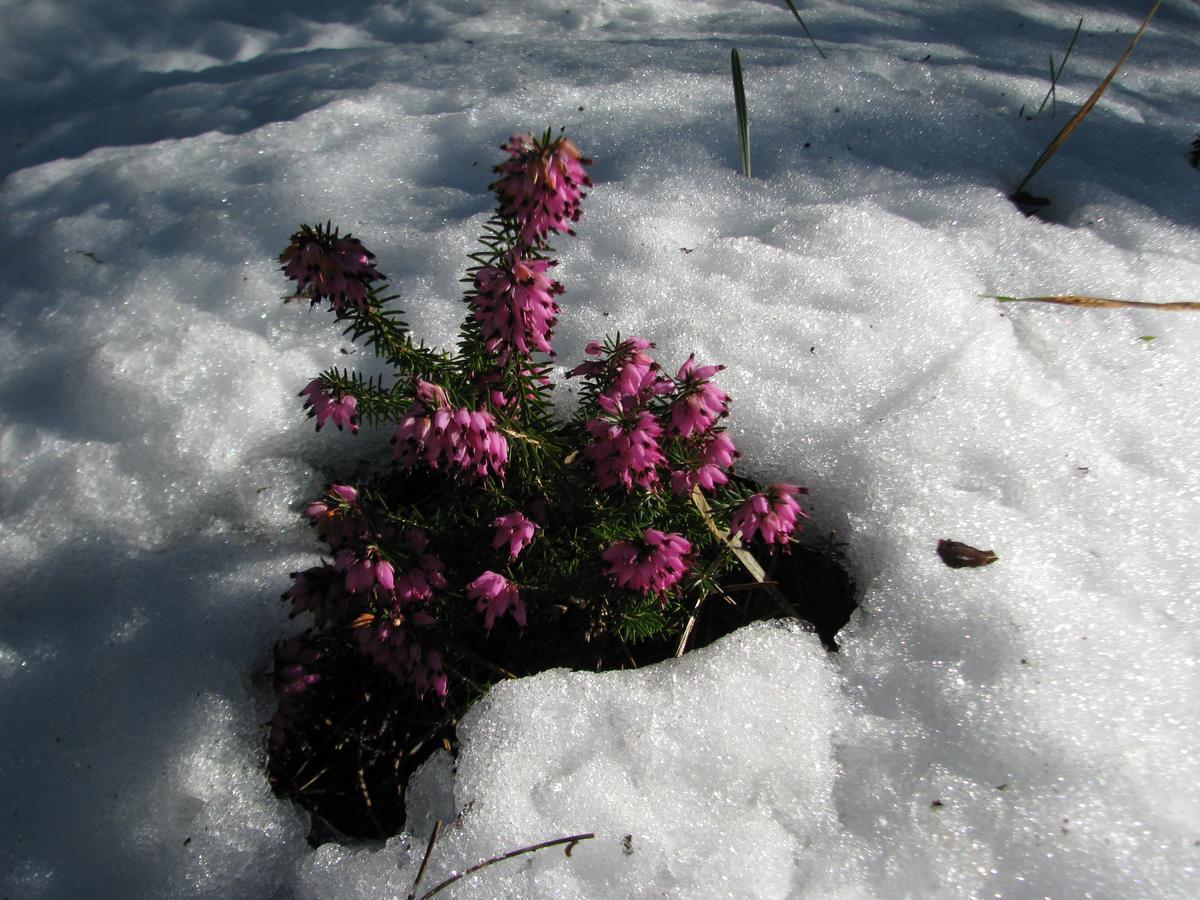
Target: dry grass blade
811,39
1103,303
1076,119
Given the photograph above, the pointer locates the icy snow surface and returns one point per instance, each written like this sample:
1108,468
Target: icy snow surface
1025,730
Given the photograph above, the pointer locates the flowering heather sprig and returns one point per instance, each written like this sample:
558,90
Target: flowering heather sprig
496,595
342,409
712,455
326,266
293,677
652,565
363,573
338,516
625,447
392,643
515,530
515,306
626,371
773,516
464,440
320,591
540,184
699,403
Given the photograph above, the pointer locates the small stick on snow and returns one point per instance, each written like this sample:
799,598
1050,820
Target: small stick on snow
570,841
1102,303
433,836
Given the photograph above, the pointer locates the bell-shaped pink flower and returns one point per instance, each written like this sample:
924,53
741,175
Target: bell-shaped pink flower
710,458
496,595
773,516
626,373
625,448
514,530
699,403
437,434
341,409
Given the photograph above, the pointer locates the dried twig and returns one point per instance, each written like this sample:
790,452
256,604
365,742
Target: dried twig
1076,119
570,841
1103,303
433,836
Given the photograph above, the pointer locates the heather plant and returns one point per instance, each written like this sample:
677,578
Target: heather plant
505,521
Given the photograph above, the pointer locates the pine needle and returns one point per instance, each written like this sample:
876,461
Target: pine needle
1087,107
1104,303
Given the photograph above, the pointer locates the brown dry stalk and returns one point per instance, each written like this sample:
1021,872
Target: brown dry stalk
1103,303
1076,119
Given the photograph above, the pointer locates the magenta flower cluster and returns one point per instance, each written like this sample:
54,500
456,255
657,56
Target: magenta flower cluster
652,565
515,306
341,409
326,266
438,434
633,428
379,583
541,185
773,516
495,595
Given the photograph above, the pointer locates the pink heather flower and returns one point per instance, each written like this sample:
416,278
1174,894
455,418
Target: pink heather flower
515,305
626,371
391,642
652,565
419,582
318,590
495,594
540,185
341,408
437,434
337,516
363,573
699,403
624,448
515,530
294,659
713,457
326,266
772,516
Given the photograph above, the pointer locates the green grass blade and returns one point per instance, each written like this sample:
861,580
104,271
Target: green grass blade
1055,75
743,118
1087,107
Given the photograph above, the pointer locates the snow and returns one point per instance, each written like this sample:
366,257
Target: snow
1028,729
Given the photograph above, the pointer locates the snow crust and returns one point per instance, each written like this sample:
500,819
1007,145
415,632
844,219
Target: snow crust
1029,729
